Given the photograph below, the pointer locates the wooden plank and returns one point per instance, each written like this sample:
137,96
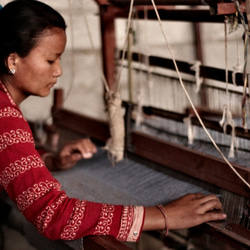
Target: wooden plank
172,14
209,123
185,67
164,2
190,162
96,129
103,243
107,24
229,8
182,15
233,234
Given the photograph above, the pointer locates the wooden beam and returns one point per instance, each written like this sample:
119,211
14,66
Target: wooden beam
209,123
108,13
229,8
168,13
99,242
199,165
185,67
236,236
96,129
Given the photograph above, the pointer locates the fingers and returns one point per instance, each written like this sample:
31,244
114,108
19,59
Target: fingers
68,161
205,203
208,203
209,208
85,147
213,216
74,151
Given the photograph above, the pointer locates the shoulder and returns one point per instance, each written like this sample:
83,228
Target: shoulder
4,100
7,109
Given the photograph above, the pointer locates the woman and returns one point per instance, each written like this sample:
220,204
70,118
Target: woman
32,42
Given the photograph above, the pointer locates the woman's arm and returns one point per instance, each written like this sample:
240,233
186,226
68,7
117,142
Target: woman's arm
188,211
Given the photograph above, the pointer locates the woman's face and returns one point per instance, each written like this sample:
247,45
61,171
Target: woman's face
37,73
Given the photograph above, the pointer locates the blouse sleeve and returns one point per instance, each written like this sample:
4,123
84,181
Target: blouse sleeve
39,197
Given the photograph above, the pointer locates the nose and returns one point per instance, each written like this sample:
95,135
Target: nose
58,69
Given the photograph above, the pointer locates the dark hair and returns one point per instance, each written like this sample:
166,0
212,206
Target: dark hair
22,22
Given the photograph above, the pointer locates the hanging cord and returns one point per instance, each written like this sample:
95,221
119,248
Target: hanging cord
145,58
188,120
130,43
47,119
227,119
72,53
198,79
234,26
93,47
245,80
115,144
190,129
125,43
139,96
195,111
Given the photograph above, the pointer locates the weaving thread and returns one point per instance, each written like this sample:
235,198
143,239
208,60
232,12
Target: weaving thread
191,103
227,119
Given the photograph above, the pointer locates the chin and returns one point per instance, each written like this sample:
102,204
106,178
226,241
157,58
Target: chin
44,94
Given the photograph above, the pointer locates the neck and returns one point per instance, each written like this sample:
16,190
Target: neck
12,92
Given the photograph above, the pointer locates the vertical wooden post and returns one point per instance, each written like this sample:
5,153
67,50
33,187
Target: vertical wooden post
248,13
58,99
108,44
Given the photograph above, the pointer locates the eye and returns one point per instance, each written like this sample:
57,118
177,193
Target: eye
50,62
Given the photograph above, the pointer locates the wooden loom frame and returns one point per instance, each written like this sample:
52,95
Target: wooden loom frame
198,165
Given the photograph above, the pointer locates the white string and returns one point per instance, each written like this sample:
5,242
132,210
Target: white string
227,118
190,129
93,47
72,53
198,79
237,68
72,57
124,47
139,96
191,103
125,43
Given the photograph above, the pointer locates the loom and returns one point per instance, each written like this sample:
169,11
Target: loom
158,153
164,130
161,142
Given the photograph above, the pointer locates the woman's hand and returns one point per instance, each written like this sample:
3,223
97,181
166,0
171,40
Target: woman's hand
192,210
70,154
188,211
74,151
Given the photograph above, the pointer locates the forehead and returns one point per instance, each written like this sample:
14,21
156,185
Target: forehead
51,41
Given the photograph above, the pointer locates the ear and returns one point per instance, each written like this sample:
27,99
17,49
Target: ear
11,61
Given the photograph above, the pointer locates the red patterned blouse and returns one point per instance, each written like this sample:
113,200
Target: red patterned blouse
38,194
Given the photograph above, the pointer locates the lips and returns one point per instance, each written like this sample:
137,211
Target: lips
52,85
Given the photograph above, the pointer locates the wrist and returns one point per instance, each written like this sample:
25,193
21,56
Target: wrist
153,219
165,231
49,160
